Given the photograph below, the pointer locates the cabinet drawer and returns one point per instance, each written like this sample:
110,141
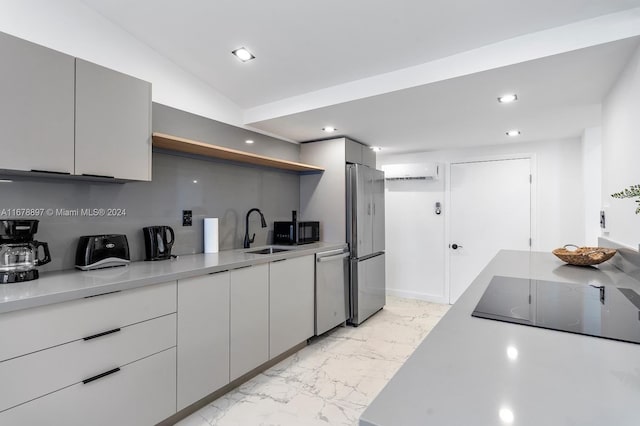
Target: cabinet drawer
39,328
141,393
31,376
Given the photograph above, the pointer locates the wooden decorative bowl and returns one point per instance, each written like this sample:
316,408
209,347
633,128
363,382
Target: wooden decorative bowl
584,256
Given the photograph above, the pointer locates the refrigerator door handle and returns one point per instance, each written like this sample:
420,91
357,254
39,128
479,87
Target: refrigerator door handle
369,256
353,290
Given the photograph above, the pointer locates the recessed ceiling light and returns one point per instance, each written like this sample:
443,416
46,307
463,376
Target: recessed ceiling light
376,148
506,415
249,141
329,129
243,54
512,353
195,181
508,98
513,133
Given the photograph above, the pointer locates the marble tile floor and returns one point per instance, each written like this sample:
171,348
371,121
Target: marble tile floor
332,380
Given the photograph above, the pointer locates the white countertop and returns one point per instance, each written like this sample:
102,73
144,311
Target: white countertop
54,287
464,372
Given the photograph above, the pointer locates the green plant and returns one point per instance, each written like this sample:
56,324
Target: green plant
632,191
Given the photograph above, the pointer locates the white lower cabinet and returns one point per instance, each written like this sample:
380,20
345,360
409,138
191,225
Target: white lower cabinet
136,357
51,325
102,360
203,336
249,319
291,303
39,373
139,394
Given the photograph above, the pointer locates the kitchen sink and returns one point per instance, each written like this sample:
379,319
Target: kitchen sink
268,250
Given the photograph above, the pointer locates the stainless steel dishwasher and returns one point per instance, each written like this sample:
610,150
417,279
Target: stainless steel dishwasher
332,289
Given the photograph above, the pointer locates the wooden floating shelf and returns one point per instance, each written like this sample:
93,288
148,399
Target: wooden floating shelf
175,143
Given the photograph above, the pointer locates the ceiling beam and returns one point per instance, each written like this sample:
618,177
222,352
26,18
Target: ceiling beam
566,38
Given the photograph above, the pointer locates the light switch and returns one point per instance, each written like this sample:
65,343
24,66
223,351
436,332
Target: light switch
187,218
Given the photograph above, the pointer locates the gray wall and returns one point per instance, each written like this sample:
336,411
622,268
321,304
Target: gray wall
179,123
223,190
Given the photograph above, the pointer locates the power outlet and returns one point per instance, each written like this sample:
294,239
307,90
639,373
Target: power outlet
187,218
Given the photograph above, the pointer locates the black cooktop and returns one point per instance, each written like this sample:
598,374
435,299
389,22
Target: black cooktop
601,311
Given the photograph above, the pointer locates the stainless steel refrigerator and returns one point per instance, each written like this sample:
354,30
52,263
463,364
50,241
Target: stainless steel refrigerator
365,235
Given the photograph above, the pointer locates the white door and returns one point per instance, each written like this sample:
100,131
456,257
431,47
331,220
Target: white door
490,211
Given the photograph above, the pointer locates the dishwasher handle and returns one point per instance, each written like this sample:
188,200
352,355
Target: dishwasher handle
336,257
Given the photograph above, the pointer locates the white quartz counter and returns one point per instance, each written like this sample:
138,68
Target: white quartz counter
54,287
475,371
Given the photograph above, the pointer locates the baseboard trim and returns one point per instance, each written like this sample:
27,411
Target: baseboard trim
187,411
416,295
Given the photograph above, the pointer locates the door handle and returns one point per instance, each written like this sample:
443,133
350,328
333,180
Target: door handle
336,257
330,253
455,246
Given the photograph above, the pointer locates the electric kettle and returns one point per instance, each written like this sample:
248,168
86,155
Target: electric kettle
158,241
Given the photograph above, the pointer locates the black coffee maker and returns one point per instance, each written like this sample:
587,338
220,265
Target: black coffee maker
19,252
158,241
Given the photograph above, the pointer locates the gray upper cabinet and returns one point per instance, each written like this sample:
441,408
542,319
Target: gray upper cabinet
113,124
368,157
65,115
352,152
36,107
358,153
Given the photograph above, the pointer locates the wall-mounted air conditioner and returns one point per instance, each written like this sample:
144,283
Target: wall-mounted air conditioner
412,171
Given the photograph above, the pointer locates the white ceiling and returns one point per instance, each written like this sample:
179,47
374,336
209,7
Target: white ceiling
559,96
306,46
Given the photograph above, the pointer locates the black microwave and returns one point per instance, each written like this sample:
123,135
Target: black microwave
290,233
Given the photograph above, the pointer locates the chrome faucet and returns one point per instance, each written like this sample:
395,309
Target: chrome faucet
247,240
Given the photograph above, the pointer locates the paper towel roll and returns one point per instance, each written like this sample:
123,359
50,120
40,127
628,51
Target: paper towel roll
211,235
